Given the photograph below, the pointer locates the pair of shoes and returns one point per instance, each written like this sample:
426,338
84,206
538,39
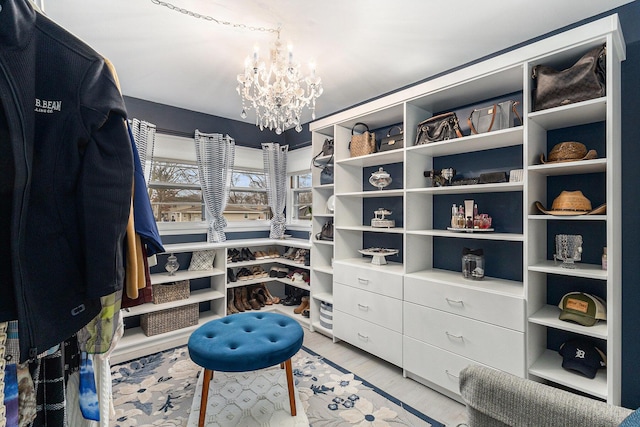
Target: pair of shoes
258,272
233,255
240,299
279,272
300,256
244,274
247,255
304,304
294,298
230,275
273,253
270,298
261,254
289,253
305,313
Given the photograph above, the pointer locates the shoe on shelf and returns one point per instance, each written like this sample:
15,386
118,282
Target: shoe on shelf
296,297
273,252
237,300
231,308
270,298
304,304
273,271
305,313
282,272
233,255
244,298
230,275
289,252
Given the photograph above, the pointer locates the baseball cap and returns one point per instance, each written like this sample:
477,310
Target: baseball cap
585,309
582,356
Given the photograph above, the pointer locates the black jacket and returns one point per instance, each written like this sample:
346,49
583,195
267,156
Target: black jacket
65,179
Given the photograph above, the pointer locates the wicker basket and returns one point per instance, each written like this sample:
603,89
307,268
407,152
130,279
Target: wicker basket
169,320
168,292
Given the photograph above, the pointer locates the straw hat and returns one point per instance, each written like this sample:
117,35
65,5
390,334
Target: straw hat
572,203
569,151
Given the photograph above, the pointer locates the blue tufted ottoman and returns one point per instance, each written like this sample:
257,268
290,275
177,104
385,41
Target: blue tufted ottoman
245,342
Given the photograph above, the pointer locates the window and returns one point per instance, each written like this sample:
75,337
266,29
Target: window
175,194
247,197
299,208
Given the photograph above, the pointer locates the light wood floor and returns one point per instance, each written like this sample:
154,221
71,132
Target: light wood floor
387,377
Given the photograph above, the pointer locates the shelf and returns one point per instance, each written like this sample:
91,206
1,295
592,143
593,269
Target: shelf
501,187
324,187
201,295
393,230
548,316
323,242
570,168
319,328
372,194
390,267
159,278
587,271
549,367
280,260
324,296
488,284
591,111
324,269
375,159
469,144
511,237
545,217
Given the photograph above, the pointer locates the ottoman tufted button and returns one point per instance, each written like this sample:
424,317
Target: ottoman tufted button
269,339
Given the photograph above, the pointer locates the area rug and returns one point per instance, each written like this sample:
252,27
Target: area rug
163,390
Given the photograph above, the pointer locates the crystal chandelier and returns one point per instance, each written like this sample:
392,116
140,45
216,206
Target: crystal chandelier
278,90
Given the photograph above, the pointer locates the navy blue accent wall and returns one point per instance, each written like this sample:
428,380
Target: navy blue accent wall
181,122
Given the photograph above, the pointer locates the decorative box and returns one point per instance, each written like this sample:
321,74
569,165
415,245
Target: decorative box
167,292
326,315
169,320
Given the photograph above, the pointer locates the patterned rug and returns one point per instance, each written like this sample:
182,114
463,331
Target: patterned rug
158,390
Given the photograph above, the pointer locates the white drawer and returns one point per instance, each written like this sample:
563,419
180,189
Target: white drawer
495,346
379,309
372,278
433,364
499,309
374,339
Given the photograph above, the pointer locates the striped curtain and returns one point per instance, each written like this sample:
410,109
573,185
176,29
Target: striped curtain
144,133
215,154
275,169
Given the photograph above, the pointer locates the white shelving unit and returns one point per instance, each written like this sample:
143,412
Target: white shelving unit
135,343
444,314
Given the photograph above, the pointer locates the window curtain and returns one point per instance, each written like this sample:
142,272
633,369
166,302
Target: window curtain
275,170
215,154
144,134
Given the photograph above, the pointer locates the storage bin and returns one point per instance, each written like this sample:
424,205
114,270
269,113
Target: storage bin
326,315
167,292
169,320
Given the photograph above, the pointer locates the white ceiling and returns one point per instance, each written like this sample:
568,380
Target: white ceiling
363,48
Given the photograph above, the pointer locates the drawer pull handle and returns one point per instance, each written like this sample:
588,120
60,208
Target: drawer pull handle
363,281
451,375
364,307
458,337
454,301
364,337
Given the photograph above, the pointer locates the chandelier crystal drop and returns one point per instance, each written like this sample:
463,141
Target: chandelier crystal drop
278,90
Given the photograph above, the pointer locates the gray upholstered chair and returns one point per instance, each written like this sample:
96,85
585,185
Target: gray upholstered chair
495,399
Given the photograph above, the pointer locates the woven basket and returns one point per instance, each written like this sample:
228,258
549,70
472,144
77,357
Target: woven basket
169,320
168,292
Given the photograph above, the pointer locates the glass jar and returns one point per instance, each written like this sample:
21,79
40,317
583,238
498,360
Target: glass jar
473,264
172,265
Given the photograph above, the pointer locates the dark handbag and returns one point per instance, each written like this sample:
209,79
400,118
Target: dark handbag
582,81
326,168
327,231
392,142
327,147
362,144
438,128
495,117
326,174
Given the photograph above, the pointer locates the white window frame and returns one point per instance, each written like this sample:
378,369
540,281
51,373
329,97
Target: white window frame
292,202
